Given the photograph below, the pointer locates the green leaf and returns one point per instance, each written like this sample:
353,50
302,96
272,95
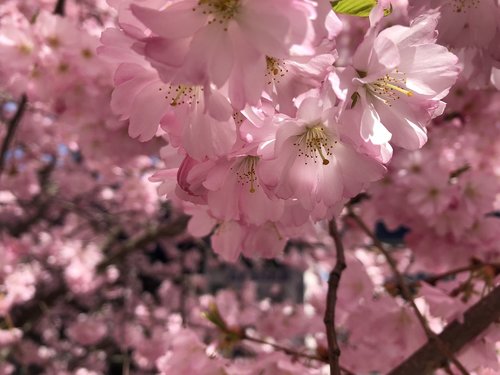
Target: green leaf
360,8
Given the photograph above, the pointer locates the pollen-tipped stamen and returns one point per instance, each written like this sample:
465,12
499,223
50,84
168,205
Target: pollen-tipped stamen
246,172
315,143
400,89
389,87
179,94
320,152
220,11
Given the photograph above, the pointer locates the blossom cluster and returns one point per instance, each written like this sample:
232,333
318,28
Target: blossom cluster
273,134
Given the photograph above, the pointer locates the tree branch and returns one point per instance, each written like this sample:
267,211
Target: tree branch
455,336
331,300
477,265
432,337
11,130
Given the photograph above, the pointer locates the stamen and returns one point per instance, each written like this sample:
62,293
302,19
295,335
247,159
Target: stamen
325,160
238,118
275,69
315,143
220,11
460,6
25,49
389,87
400,89
245,172
182,94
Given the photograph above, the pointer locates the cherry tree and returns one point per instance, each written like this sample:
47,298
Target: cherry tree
249,187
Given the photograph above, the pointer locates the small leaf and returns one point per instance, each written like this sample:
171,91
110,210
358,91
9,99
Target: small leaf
360,8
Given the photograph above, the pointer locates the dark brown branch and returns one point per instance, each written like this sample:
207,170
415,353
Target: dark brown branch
331,300
12,126
455,336
59,8
431,335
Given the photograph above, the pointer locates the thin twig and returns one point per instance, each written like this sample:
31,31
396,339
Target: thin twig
284,349
433,279
290,351
331,300
12,126
408,295
240,333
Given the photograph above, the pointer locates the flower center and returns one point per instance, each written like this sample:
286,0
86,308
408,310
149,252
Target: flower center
245,172
25,49
275,69
460,6
390,87
315,143
238,118
181,94
219,11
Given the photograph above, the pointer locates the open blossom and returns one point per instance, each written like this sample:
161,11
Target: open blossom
227,41
199,121
398,80
236,193
313,164
470,29
18,45
287,79
187,113
466,23
232,238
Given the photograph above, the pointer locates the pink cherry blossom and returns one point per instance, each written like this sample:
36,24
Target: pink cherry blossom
196,32
398,81
312,163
